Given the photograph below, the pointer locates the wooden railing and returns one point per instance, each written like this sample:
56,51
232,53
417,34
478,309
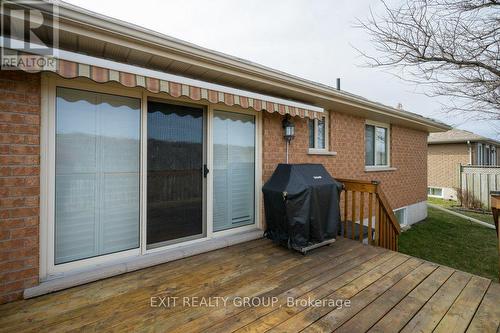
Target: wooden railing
366,214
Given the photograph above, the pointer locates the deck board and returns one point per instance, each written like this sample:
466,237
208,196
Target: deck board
277,319
399,315
388,291
435,309
338,316
372,313
487,317
460,314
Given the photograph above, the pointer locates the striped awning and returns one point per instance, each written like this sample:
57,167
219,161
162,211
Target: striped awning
181,87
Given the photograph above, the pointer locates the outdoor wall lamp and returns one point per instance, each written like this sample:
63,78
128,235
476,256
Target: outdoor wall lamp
289,129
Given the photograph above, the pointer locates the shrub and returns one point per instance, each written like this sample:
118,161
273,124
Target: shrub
467,199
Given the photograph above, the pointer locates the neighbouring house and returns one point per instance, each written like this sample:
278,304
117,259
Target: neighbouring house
448,151
135,144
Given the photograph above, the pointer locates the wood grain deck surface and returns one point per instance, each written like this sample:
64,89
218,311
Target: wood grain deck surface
356,287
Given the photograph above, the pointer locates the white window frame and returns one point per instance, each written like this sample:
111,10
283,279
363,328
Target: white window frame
493,155
433,195
49,83
387,126
405,215
315,149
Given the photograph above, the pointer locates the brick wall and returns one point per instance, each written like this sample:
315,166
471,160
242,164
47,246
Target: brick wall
443,161
19,182
19,170
403,186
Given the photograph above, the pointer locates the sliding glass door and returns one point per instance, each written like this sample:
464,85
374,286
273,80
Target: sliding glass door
97,174
175,173
234,170
97,201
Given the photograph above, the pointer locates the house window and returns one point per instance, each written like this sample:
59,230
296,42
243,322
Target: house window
435,192
234,170
96,174
401,215
480,154
376,145
318,133
493,156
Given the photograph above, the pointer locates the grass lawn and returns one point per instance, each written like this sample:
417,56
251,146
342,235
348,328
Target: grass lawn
488,218
442,202
453,205
451,241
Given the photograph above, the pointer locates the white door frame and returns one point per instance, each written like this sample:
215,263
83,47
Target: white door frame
49,82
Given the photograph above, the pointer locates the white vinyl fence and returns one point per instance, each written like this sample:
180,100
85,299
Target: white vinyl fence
479,181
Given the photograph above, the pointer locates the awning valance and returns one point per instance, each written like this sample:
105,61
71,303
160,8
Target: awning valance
100,70
68,69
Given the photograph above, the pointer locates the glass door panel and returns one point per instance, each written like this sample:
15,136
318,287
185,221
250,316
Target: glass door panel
97,174
234,170
175,173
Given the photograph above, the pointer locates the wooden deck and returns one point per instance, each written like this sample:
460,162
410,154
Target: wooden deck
388,292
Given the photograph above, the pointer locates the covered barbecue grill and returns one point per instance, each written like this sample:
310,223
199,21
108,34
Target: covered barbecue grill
301,203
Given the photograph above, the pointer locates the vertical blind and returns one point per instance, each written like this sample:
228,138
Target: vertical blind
97,174
234,170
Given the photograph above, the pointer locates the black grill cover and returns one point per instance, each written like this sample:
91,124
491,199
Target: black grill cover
301,203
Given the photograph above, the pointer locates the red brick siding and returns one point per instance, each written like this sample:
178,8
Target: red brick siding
443,162
19,182
404,186
20,169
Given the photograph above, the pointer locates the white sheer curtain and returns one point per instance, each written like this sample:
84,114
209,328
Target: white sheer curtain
97,174
234,170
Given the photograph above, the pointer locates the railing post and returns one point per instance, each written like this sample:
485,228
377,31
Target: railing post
353,214
361,215
377,214
370,217
346,207
386,225
377,221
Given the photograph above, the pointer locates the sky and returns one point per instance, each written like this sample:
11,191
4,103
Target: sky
313,39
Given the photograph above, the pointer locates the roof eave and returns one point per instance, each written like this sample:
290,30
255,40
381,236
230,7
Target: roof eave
129,32
485,140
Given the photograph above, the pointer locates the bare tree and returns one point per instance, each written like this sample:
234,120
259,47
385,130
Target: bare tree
451,45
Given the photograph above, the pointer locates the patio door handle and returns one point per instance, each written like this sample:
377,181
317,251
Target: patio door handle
205,171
